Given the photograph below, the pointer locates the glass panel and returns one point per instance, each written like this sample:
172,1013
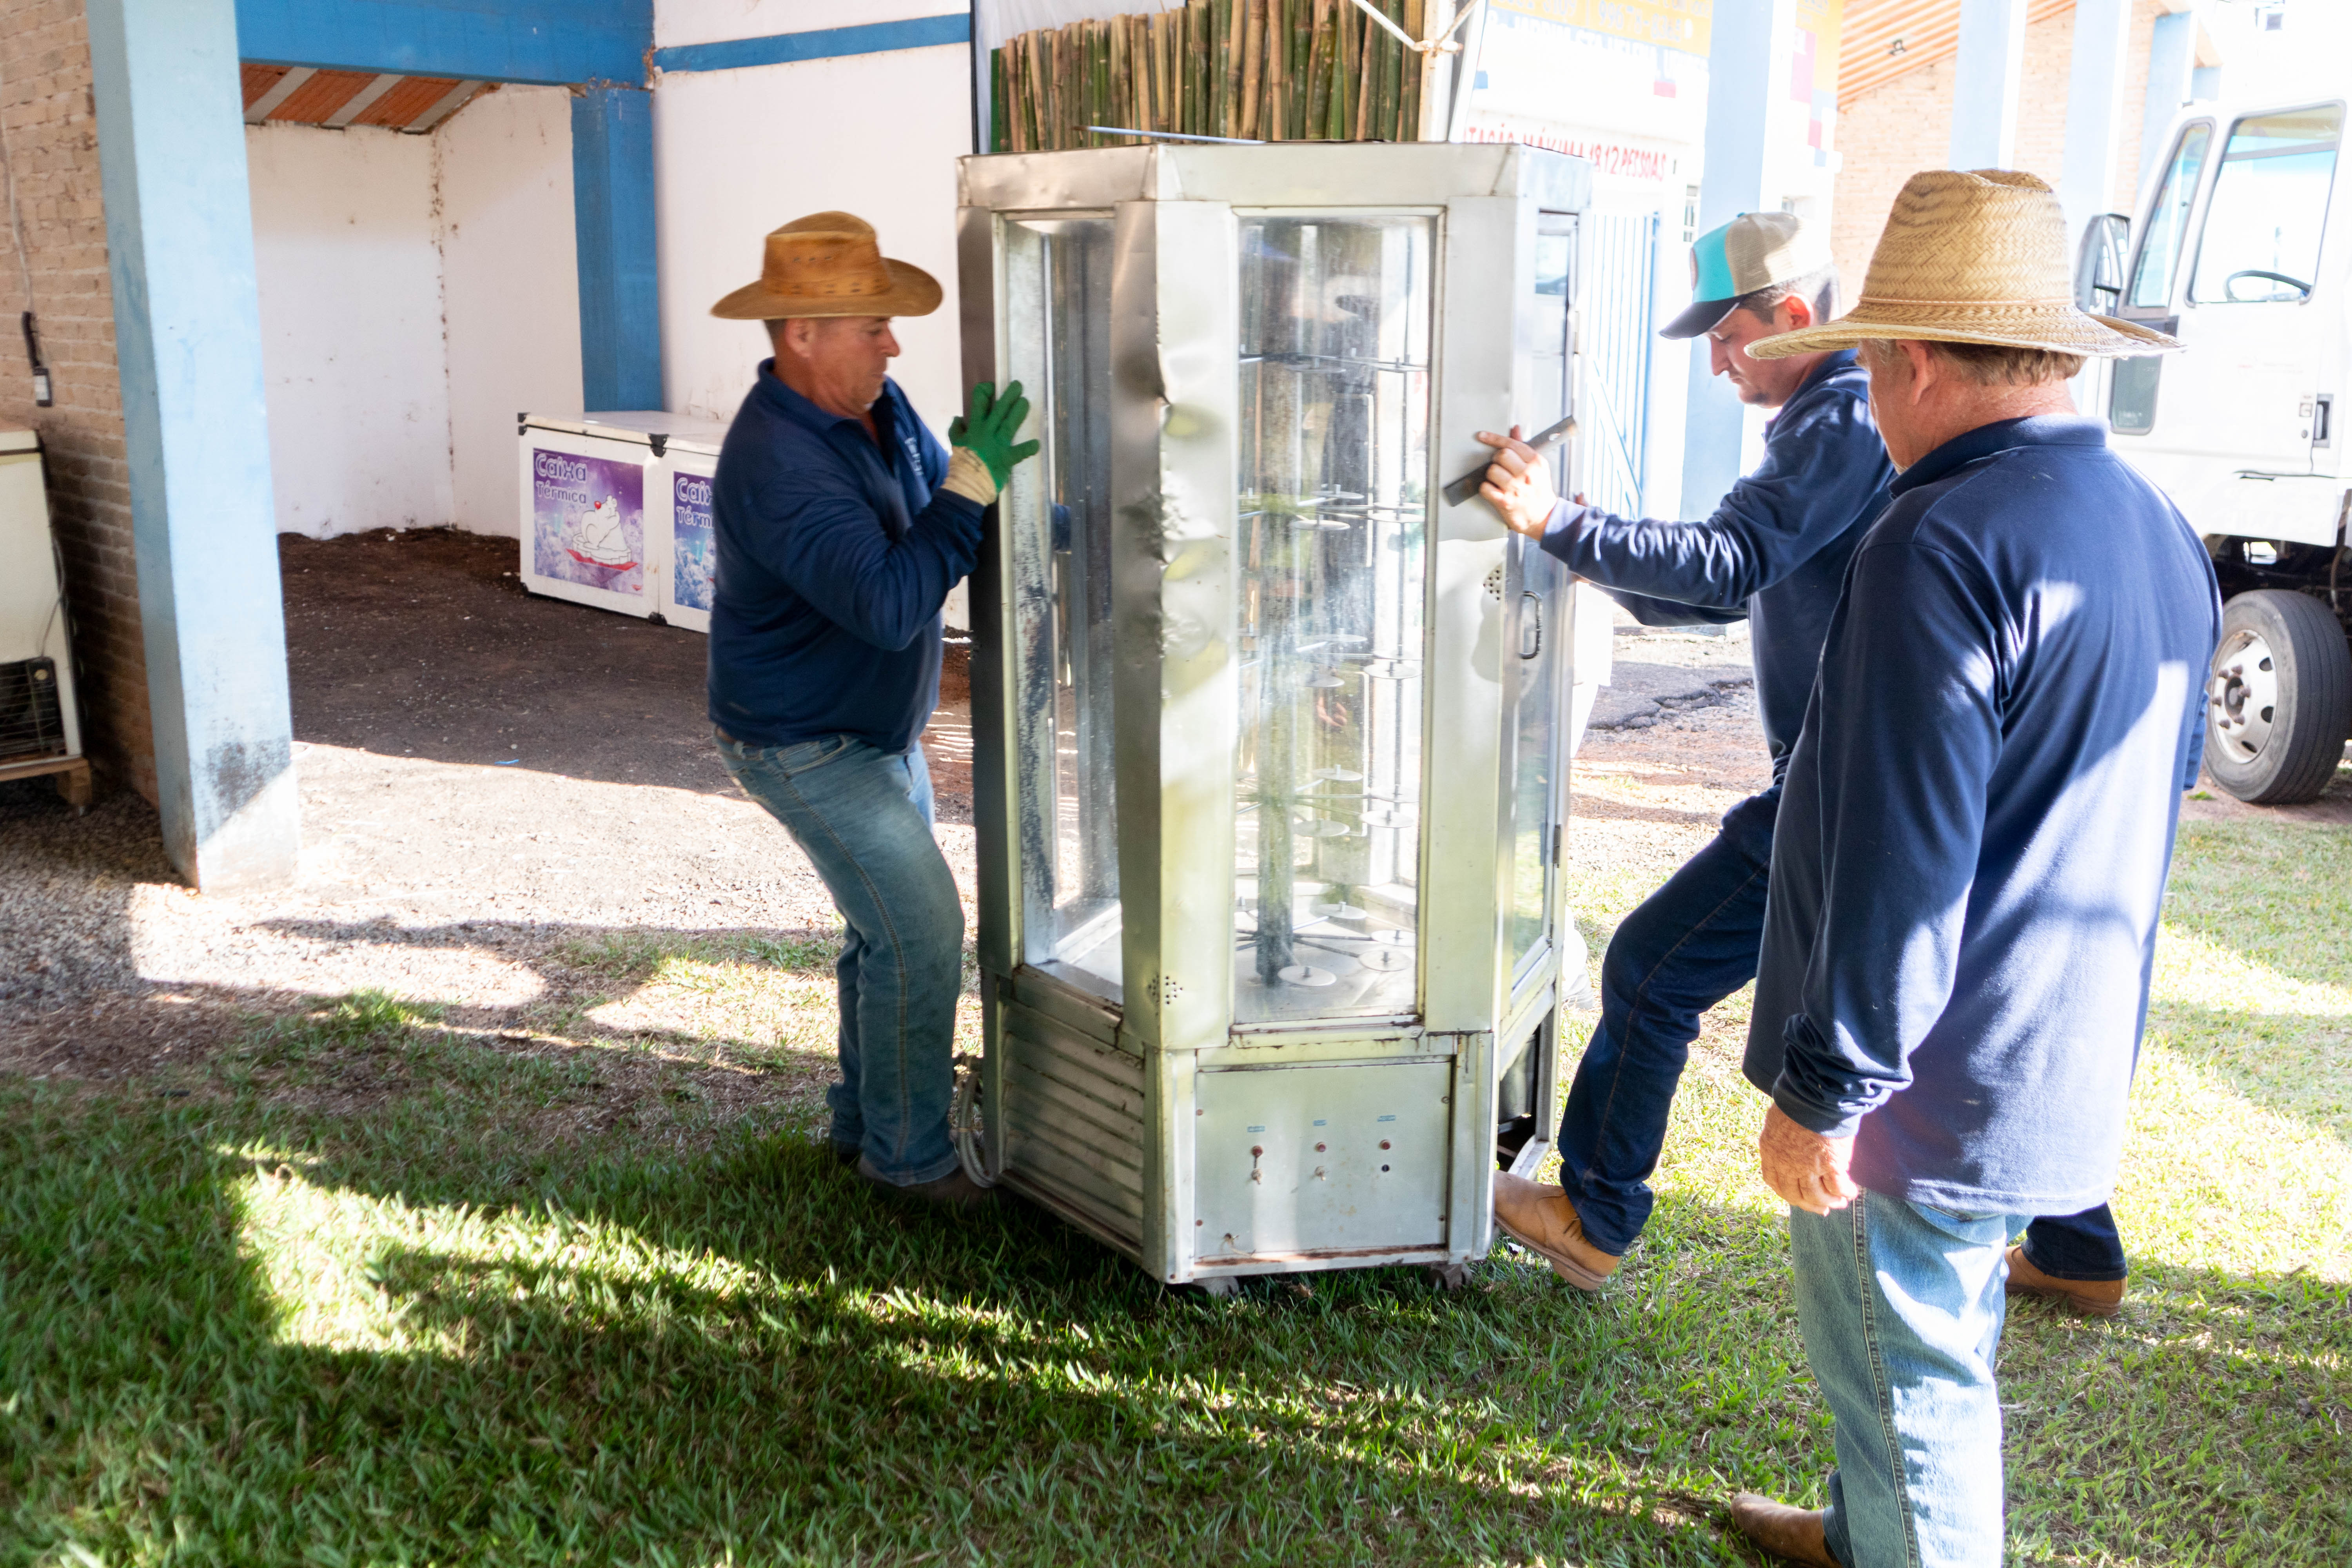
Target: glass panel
2168,221
2270,202
1535,746
1555,248
1334,537
2131,402
1059,277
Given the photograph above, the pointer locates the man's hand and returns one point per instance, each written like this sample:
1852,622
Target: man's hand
986,429
1804,1167
1518,484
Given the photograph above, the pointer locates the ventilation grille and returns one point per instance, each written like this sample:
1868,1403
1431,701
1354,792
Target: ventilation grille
31,724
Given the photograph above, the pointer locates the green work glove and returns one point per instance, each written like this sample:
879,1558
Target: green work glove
987,427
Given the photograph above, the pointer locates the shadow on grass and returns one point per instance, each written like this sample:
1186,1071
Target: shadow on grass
750,1352
249,1329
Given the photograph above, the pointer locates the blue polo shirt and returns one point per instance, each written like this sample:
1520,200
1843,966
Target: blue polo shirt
836,555
1977,820
1773,551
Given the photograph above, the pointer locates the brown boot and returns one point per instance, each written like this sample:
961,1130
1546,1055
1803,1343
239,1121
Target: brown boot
1791,1534
2092,1297
1541,1219
954,1193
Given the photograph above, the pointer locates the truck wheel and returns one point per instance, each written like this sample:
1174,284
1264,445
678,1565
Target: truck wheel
2280,700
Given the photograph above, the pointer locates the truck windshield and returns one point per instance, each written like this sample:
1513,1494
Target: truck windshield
2270,202
2168,221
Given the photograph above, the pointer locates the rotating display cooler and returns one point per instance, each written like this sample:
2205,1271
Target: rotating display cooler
1270,771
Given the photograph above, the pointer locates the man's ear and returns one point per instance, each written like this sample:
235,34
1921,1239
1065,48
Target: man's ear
1793,313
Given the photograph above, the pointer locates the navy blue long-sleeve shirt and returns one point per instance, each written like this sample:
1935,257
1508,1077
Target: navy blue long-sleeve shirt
835,556
1977,820
1774,550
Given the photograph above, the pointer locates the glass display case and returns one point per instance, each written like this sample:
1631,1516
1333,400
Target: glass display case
1268,771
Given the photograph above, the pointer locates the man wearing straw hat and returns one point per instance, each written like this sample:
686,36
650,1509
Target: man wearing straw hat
1976,826
842,524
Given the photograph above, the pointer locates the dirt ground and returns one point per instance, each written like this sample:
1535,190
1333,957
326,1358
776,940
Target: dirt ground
490,782
493,783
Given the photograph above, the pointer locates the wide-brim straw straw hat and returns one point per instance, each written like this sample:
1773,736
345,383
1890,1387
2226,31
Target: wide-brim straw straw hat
830,263
1973,257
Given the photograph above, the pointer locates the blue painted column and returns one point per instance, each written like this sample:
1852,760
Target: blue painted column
613,212
1986,79
187,328
1748,54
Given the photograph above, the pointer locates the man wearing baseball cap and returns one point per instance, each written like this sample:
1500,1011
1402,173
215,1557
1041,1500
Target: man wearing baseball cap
1773,551
1978,819
841,523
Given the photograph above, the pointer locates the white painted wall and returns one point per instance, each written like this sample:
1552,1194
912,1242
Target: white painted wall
416,294
739,153
351,328
510,284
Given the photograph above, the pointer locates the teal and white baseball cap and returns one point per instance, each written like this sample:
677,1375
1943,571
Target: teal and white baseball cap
1754,250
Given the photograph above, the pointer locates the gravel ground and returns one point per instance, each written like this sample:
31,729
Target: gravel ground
429,870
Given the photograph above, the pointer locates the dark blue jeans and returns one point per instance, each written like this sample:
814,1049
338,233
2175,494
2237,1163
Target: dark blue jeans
1689,946
863,818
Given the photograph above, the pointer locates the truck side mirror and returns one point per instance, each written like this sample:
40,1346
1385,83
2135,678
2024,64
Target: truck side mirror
2099,264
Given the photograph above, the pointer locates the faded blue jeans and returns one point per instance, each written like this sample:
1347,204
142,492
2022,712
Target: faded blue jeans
1689,946
1901,1307
863,817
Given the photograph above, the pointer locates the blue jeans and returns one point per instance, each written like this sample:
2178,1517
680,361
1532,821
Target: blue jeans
1901,1307
1689,946
863,818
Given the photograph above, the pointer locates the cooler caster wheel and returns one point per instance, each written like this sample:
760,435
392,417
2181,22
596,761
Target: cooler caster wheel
1217,1287
1449,1276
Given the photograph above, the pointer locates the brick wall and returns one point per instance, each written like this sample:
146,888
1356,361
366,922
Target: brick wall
1888,135
51,127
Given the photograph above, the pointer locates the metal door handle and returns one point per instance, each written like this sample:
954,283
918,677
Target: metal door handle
1532,620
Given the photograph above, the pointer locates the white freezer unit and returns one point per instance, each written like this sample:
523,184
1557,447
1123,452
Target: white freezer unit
40,729
616,512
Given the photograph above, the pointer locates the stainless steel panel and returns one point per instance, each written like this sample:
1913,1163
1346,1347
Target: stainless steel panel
1090,1018
1071,1118
992,796
1320,1158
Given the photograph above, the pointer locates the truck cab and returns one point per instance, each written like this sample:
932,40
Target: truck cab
2240,252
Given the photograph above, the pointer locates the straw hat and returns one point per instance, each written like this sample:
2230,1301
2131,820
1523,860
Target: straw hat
829,264
1975,257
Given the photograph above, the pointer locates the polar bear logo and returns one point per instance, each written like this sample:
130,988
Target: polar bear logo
594,537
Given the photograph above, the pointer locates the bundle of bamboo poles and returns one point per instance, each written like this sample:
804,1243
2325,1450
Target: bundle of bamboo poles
1268,70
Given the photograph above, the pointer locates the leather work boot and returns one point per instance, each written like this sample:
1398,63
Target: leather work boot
843,1153
1791,1534
2092,1297
955,1192
1540,1218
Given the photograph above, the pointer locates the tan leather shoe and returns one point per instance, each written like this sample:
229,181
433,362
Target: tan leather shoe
2092,1297
1791,1534
1541,1219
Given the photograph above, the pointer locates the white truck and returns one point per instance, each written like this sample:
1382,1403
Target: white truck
2240,253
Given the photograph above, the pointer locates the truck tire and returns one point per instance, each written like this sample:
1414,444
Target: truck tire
2279,700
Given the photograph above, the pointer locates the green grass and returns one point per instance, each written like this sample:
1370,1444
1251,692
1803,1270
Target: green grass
340,1296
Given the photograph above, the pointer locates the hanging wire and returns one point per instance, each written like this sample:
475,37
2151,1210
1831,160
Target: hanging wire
16,218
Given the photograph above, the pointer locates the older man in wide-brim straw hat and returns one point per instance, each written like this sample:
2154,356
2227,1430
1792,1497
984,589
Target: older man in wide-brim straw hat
841,523
1971,852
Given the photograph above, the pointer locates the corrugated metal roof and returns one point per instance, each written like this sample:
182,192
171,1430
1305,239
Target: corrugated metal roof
1879,40
301,96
